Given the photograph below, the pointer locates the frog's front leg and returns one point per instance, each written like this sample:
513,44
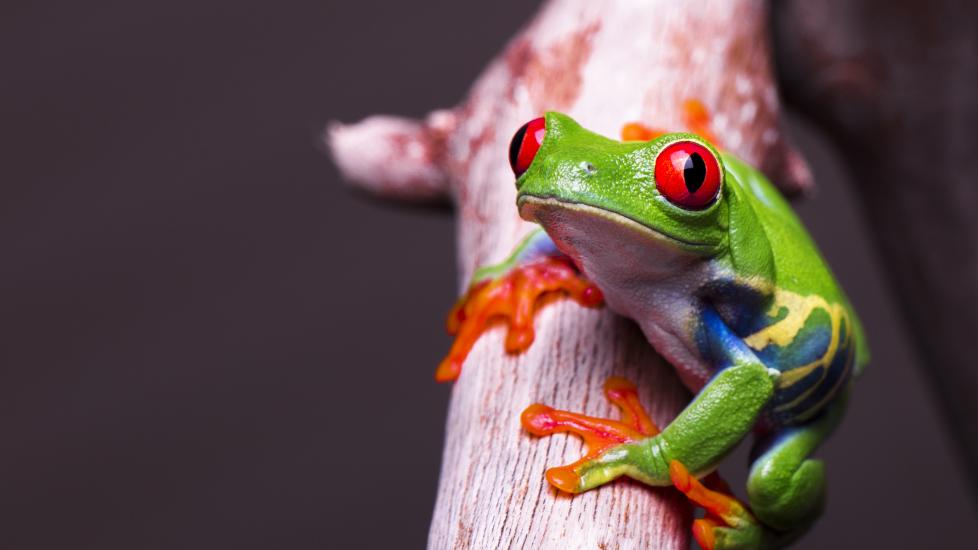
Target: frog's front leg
610,443
691,446
512,290
720,416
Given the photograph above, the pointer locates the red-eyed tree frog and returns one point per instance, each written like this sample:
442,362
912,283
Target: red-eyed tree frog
705,255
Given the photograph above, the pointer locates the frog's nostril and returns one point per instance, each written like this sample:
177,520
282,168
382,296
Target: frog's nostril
526,142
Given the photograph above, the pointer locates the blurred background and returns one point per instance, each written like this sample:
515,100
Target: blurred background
207,341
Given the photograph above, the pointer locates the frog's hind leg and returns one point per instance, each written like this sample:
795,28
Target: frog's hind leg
786,488
728,524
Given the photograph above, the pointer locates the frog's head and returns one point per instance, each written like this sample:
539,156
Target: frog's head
641,209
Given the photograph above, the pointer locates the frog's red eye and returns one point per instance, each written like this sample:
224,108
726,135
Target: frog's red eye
526,142
688,175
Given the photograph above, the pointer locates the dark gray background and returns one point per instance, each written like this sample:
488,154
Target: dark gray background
208,342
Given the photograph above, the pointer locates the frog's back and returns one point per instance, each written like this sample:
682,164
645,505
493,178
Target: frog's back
809,332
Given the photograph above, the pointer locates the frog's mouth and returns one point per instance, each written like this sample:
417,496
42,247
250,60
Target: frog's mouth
623,257
553,214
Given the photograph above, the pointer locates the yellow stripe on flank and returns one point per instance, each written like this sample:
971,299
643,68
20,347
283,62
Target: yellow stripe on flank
850,359
784,331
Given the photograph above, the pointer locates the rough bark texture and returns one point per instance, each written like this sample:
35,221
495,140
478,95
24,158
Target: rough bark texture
604,64
895,84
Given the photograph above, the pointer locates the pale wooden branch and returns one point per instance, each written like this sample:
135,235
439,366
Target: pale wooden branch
604,63
895,84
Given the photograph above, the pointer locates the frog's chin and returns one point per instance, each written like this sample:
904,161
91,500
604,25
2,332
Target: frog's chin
610,248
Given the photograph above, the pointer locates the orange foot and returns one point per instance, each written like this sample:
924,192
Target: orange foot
728,523
599,435
514,296
696,119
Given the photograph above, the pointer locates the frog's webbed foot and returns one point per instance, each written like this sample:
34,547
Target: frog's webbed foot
513,295
728,524
607,440
696,119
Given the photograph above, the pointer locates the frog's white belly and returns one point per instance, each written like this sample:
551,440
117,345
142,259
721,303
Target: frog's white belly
666,311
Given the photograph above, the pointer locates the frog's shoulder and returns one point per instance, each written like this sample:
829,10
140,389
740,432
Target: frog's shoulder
798,265
803,287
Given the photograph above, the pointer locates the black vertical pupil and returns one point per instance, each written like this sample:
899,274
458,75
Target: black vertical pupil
515,145
694,172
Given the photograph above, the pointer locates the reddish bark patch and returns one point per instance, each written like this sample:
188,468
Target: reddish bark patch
553,76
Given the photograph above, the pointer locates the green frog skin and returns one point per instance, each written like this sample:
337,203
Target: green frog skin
706,256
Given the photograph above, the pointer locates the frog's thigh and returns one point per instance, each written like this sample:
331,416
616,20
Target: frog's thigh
786,488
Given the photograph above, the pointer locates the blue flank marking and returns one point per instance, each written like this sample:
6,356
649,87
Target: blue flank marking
538,245
829,381
739,305
720,345
807,347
